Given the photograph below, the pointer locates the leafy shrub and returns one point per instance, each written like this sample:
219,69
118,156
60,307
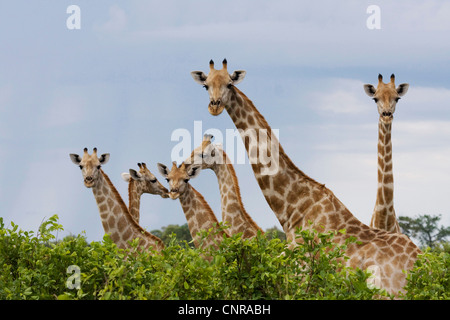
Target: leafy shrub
430,278
35,266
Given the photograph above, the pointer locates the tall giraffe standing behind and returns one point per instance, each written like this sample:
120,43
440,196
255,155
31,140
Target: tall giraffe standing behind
199,214
386,97
213,157
297,199
116,218
139,183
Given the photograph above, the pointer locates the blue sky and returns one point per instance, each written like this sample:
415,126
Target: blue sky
122,84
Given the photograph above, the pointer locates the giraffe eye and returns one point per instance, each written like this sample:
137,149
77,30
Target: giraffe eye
186,180
206,87
375,99
98,167
81,167
153,181
229,85
396,99
167,179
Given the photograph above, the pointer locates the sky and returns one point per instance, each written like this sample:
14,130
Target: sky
121,83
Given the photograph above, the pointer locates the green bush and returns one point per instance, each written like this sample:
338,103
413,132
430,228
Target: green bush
430,278
35,266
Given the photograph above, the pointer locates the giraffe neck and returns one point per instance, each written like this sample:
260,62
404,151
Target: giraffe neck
383,216
294,197
200,217
116,219
233,211
134,199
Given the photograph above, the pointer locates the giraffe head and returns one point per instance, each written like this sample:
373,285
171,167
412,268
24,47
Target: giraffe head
386,96
146,180
207,154
90,165
178,177
219,84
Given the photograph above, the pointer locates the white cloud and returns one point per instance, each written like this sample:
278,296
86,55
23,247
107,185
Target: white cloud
418,15
117,20
308,32
424,132
425,100
339,96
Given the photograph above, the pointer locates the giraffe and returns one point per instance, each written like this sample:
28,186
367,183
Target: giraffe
199,214
116,219
299,201
212,156
139,183
386,97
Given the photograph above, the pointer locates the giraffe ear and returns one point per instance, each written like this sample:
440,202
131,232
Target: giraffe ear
125,176
238,76
402,89
208,137
369,89
135,175
104,158
199,77
194,171
162,169
75,158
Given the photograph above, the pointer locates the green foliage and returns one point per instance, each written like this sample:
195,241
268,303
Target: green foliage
262,268
425,228
181,233
34,266
430,279
274,232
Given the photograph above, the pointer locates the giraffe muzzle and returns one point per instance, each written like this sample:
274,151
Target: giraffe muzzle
89,181
387,116
174,195
165,195
215,107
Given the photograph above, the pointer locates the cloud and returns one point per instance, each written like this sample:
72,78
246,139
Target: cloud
417,15
424,103
339,96
421,164
117,20
300,33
